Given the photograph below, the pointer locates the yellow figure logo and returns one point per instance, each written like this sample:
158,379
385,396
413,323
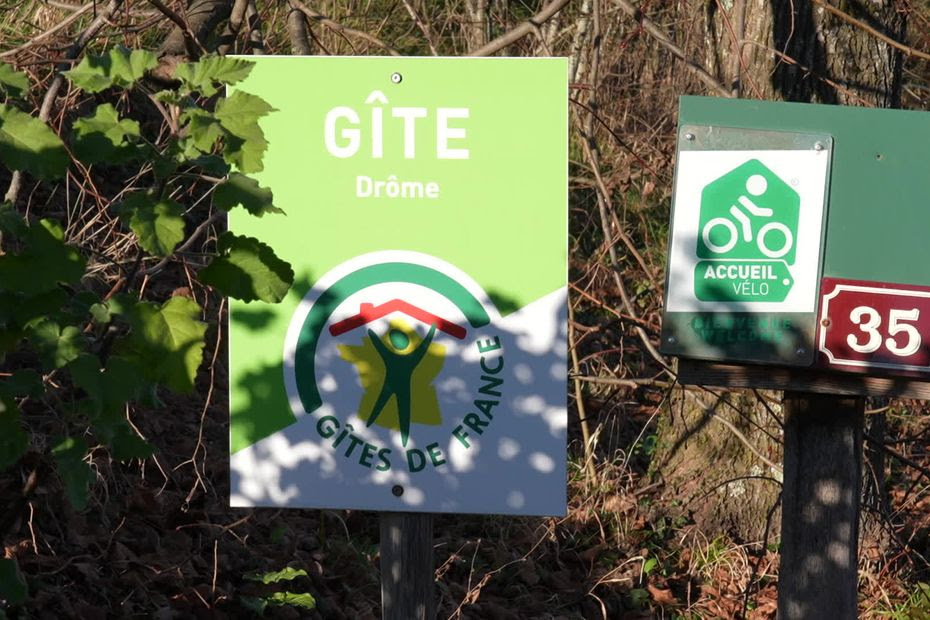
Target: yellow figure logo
396,371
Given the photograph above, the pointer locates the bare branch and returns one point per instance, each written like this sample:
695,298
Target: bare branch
319,18
656,33
297,31
522,30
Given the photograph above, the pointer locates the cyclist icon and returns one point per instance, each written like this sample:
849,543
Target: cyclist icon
399,367
755,186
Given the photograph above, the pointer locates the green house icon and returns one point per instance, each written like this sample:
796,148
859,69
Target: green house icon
749,213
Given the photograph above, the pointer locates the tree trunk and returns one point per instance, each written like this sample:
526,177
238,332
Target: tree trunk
203,16
770,49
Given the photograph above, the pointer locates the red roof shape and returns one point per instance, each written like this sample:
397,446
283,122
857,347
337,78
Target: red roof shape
368,313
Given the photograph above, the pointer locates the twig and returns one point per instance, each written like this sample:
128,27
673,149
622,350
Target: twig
656,33
73,51
59,26
846,17
256,38
898,456
344,30
422,25
579,399
631,383
527,27
603,198
233,26
190,240
193,44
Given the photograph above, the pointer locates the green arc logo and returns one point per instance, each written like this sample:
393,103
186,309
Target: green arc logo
304,361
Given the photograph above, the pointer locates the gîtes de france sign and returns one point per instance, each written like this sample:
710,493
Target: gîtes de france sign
420,364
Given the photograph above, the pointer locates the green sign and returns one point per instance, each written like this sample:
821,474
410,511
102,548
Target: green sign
419,363
749,221
847,185
746,242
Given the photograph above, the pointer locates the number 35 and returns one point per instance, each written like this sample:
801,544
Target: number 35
868,319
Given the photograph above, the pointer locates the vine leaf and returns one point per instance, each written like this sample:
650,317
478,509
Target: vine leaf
245,142
247,269
157,223
13,440
12,587
168,340
239,189
116,67
287,573
26,143
75,474
206,73
104,137
56,345
107,389
45,262
13,83
200,132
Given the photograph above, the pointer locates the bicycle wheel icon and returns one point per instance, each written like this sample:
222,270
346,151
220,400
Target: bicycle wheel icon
766,238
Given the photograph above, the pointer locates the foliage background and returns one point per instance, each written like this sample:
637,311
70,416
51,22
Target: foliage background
156,539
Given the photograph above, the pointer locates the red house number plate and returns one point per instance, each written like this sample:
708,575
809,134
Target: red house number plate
874,325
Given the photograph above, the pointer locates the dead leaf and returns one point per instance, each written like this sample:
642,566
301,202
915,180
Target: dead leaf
662,596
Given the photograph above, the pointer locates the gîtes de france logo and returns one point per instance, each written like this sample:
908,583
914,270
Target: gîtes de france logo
395,355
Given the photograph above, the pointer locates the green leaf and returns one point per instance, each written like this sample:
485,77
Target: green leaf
204,74
100,313
285,574
26,382
304,599
32,308
239,189
11,222
126,445
109,389
13,439
245,142
12,587
117,67
104,137
200,132
56,345
157,223
247,269
76,475
168,341
45,262
254,604
13,83
27,143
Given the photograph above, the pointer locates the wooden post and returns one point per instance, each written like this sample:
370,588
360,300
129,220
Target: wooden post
820,507
407,566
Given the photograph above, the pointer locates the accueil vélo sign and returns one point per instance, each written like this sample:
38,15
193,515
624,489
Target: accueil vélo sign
420,363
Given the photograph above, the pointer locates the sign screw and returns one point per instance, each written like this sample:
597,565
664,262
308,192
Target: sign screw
397,490
396,77
800,351
818,146
671,340
825,322
689,136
